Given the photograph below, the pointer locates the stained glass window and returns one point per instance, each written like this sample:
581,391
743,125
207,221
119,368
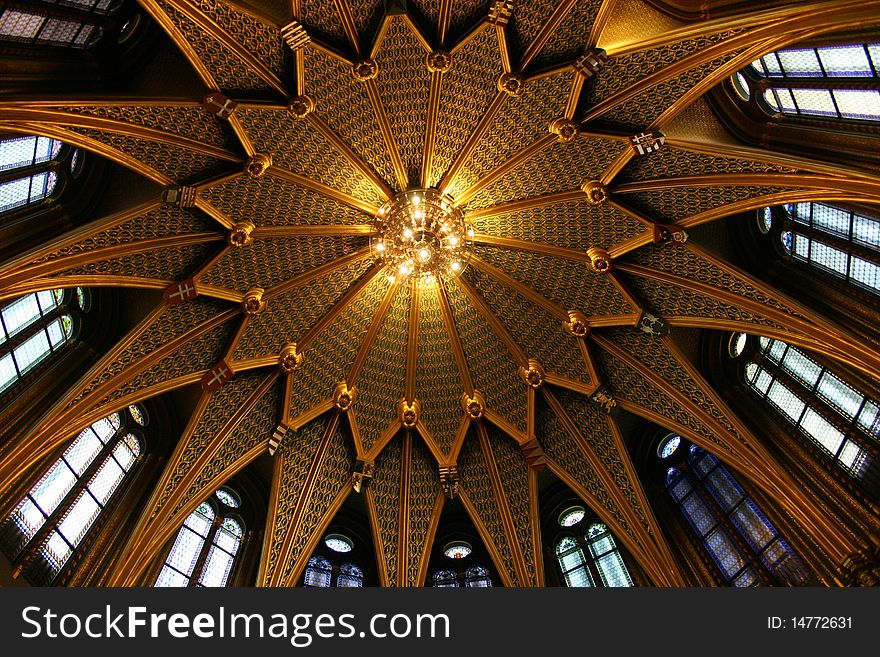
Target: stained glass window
834,415
228,498
457,550
607,558
817,82
477,577
668,446
28,161
137,414
444,579
840,242
204,550
338,543
572,562
718,509
318,572
737,344
63,505
571,516
350,575
78,29
31,328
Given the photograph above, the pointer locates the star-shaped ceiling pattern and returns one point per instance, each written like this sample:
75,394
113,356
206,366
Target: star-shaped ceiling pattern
575,139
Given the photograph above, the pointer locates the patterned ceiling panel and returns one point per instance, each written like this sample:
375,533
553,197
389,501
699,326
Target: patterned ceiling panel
168,264
493,370
289,316
404,84
268,262
297,146
438,382
275,201
232,76
673,204
566,283
671,162
381,384
328,360
537,331
468,89
343,103
585,159
573,224
522,121
568,41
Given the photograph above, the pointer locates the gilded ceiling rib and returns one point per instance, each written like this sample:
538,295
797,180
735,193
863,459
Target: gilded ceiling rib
75,139
603,15
324,190
524,245
646,543
348,24
870,189
23,277
532,203
353,159
547,30
611,171
168,27
387,135
230,45
412,346
268,232
497,327
403,519
431,127
445,18
390,432
217,215
498,420
449,321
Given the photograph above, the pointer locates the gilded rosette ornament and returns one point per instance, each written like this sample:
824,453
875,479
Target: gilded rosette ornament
301,106
534,374
253,303
600,261
289,359
344,397
474,406
577,325
596,192
241,234
409,413
258,165
565,130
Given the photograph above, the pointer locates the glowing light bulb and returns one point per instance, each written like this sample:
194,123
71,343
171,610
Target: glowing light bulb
391,277
456,266
417,199
418,214
380,246
453,240
424,255
407,233
470,231
404,269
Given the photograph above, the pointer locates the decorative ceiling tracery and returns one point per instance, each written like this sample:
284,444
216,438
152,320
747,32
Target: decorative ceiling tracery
525,113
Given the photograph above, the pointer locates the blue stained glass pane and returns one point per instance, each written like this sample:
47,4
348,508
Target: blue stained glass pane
699,514
613,571
752,524
445,579
724,552
724,488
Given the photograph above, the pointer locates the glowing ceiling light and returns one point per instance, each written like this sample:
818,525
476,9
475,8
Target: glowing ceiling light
421,235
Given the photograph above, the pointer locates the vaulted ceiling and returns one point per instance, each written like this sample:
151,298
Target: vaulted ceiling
311,115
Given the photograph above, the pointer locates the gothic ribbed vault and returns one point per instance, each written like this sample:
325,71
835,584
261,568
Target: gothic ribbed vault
575,138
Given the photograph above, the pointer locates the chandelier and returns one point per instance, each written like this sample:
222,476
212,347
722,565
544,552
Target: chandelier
420,235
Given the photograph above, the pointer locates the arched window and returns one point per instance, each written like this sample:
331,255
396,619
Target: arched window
32,327
445,579
50,522
334,565
742,542
834,240
478,577
206,546
605,564
835,81
66,23
350,575
839,419
318,572
28,168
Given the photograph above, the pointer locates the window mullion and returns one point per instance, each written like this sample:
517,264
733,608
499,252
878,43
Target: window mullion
33,546
206,548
